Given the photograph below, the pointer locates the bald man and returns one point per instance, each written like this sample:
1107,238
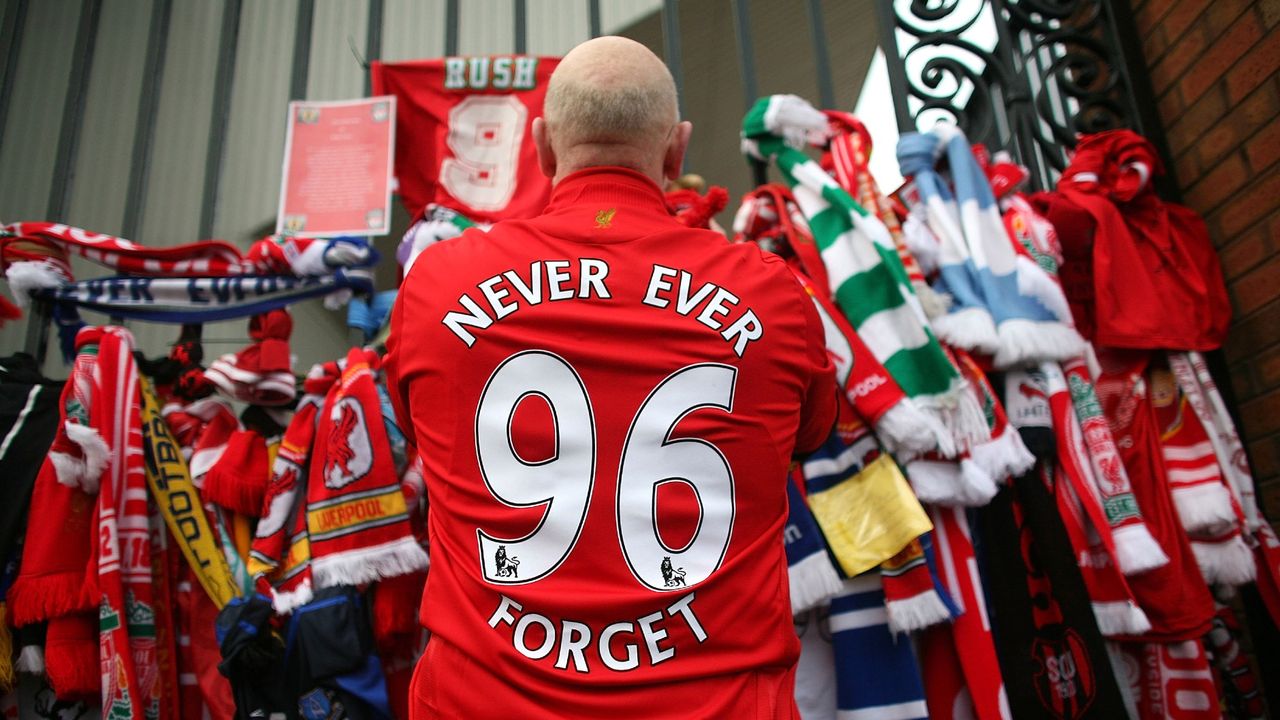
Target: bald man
605,404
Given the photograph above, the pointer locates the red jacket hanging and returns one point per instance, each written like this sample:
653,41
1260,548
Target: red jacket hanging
1156,277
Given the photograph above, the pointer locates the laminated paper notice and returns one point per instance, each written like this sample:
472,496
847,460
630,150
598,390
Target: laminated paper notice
337,168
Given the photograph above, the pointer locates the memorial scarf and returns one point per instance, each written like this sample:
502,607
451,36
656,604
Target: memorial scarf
864,270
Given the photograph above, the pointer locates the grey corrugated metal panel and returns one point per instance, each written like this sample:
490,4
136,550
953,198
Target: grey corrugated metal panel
249,189
618,14
335,73
486,27
105,150
784,55
851,41
412,29
30,142
175,188
555,26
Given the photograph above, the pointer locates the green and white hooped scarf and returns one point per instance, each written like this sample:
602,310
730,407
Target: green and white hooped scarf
866,275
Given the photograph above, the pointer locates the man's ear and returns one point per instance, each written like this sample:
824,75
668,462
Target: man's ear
673,159
542,143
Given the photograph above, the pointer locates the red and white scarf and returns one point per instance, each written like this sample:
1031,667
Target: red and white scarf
1204,504
356,513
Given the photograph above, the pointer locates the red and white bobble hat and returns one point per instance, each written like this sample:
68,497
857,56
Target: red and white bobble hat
262,373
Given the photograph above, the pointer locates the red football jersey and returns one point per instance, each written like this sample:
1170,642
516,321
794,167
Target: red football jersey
606,404
463,137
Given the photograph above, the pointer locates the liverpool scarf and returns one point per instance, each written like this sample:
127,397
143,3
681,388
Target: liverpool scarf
996,309
864,271
914,595
1174,595
280,558
356,515
126,639
1136,549
1203,503
1173,680
876,673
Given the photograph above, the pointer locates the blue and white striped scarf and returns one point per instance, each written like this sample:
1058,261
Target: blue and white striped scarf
997,304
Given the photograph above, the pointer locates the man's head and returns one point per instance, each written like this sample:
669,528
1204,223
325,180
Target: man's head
611,102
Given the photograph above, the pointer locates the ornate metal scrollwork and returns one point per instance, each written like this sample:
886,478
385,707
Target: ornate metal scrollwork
1026,76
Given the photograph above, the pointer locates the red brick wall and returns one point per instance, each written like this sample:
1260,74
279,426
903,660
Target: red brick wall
1215,69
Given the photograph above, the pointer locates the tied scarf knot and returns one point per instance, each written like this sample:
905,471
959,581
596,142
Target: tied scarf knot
916,153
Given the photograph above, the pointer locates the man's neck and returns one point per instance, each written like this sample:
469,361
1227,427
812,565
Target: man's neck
582,157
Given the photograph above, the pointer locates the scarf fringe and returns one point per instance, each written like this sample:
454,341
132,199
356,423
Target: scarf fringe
1137,550
1004,457
30,660
35,598
960,413
916,613
813,582
1228,562
908,432
933,303
1024,342
1120,618
87,472
286,601
353,567
1204,508
234,491
942,482
27,276
970,328
73,669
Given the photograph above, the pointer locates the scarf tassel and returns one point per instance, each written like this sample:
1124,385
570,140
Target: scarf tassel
971,328
958,410
1204,508
286,601
944,482
34,598
1023,341
71,657
398,557
1137,551
908,432
1225,562
813,581
1120,618
30,660
83,472
1004,457
916,613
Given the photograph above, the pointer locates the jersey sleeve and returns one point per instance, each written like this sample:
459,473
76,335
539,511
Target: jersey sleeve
397,383
818,412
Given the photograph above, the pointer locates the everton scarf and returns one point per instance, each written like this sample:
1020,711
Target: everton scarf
201,299
356,515
812,577
876,672
864,271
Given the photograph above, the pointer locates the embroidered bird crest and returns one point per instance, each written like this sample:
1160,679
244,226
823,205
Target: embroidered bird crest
604,218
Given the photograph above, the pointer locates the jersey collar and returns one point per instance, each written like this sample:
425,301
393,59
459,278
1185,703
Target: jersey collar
611,186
